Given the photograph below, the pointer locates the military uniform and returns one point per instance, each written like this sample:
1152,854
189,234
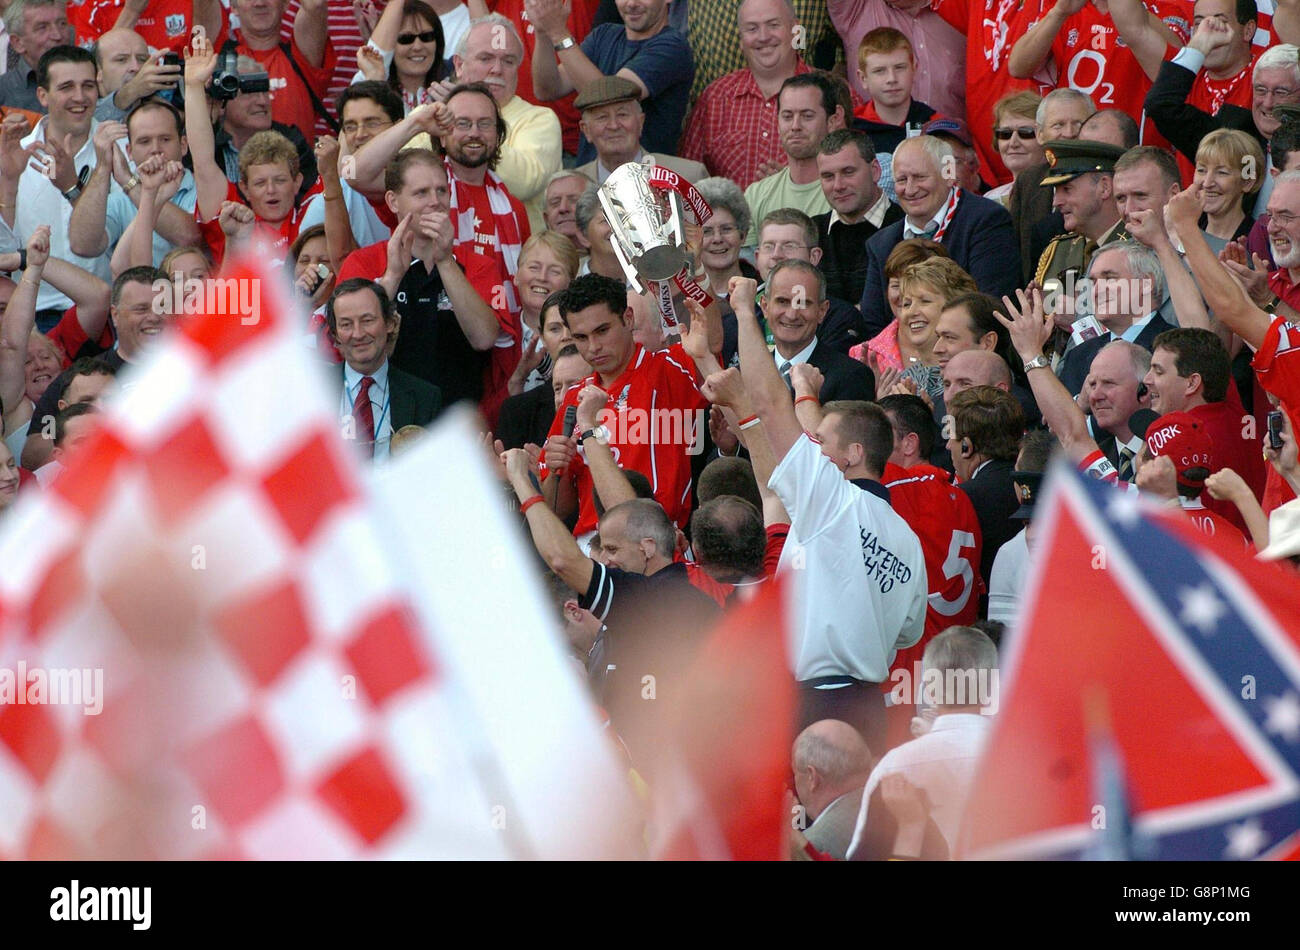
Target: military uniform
1070,253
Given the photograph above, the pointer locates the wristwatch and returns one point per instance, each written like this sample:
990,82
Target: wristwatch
566,43
600,433
1038,362
131,184
73,193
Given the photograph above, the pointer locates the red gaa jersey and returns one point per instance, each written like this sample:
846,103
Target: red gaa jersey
944,519
165,24
657,422
276,237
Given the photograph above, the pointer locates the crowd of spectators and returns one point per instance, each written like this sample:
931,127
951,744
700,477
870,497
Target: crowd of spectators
949,243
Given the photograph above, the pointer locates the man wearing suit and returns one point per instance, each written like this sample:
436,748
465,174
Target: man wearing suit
987,425
376,399
794,305
831,763
976,232
612,120
1128,287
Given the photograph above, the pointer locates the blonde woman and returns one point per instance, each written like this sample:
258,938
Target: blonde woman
548,262
1230,167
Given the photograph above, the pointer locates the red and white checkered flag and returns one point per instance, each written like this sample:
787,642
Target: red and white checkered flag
274,683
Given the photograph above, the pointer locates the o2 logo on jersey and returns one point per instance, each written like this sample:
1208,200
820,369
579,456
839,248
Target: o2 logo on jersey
1105,91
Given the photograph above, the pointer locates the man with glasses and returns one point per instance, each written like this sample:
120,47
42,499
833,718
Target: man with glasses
611,121
850,177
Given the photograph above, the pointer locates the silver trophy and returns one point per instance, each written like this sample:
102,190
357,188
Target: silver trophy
648,238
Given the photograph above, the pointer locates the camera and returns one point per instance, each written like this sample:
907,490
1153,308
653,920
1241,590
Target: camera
227,83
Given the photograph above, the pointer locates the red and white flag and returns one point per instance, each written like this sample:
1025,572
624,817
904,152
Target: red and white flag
1191,647
285,670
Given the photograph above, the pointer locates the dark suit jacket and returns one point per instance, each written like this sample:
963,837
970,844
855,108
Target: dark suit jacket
411,400
846,378
1074,368
1185,125
980,238
527,417
994,497
1032,216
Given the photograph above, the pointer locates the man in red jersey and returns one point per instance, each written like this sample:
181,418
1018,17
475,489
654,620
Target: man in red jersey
164,24
1110,55
992,28
656,419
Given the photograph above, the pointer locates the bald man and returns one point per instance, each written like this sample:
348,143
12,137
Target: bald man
127,73
831,766
975,368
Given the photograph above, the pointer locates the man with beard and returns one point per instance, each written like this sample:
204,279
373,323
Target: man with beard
487,218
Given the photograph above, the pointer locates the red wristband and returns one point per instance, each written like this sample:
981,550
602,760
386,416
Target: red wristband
746,421
535,500
803,398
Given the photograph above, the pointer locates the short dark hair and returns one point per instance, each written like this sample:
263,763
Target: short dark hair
991,419
728,532
90,366
62,54
641,488
569,349
980,312
866,424
834,91
354,285
154,102
728,475
380,93
1036,450
1247,11
911,416
143,274
482,89
395,173
1199,351
1283,142
1129,133
591,289
67,414
1161,158
835,142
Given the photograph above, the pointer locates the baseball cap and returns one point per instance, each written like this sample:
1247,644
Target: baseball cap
1182,437
943,125
1029,484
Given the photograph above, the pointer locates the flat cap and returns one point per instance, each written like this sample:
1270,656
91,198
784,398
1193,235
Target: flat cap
606,89
1070,158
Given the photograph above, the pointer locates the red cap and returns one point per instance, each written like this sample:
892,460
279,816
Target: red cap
1183,438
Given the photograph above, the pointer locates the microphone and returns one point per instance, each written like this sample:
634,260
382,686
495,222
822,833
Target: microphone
1140,421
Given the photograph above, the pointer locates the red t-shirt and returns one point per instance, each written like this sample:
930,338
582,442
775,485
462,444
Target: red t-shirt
277,237
1228,425
290,102
70,337
655,411
992,29
1091,59
945,521
165,24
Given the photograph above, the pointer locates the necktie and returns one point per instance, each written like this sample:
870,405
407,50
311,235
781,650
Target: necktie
1125,469
785,375
363,415
930,231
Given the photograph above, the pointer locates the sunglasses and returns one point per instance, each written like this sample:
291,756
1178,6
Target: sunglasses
406,39
1024,133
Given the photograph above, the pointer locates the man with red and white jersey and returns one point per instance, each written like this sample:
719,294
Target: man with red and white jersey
656,418
942,516
164,24
992,28
1091,50
1184,440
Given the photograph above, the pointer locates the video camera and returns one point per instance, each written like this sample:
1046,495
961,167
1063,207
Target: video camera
227,83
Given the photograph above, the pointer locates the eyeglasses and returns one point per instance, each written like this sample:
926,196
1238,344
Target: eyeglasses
370,125
406,39
722,230
1281,92
483,125
786,247
1024,133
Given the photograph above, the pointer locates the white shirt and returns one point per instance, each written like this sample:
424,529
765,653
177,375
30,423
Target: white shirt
800,357
1135,330
454,25
1007,579
858,572
942,763
937,219
380,408
40,202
